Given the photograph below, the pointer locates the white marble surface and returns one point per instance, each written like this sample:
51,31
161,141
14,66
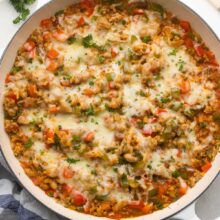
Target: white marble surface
205,207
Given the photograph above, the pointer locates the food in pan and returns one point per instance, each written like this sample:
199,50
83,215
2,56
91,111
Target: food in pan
113,108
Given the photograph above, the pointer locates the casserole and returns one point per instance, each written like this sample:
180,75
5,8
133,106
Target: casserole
156,214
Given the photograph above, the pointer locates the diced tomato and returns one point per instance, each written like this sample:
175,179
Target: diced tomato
68,173
185,86
88,92
114,52
89,137
147,130
29,45
81,22
66,189
138,11
46,23
111,85
52,54
54,109
36,180
50,192
112,94
8,78
32,53
161,111
115,216
25,164
60,35
49,133
212,59
47,36
153,120
79,199
183,190
162,188
89,6
136,205
188,43
140,205
206,167
12,95
134,121
32,90
185,25
200,51
217,93
52,65
65,83
179,153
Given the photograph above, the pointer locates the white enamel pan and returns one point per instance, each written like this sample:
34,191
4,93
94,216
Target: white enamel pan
179,9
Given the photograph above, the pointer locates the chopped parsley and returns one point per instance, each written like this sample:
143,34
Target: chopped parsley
101,197
21,7
90,111
60,12
76,146
181,64
76,138
94,121
173,52
15,69
93,190
109,77
124,180
56,140
91,83
153,192
71,40
72,160
123,22
101,59
176,174
76,142
164,100
158,8
29,143
93,172
146,39
88,42
141,124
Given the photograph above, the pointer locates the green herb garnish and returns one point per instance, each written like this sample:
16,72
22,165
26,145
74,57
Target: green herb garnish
72,160
153,192
109,77
29,143
90,111
158,8
93,190
146,39
101,197
71,40
101,59
88,42
173,52
56,140
124,180
60,12
76,138
21,7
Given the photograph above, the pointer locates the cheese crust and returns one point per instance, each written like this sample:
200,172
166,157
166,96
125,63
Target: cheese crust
113,108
